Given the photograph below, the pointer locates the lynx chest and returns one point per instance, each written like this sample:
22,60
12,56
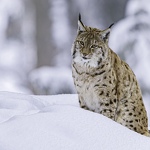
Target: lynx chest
88,90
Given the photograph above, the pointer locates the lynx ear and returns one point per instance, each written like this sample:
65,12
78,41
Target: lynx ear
81,26
105,33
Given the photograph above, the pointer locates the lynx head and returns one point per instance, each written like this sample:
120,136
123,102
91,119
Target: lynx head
91,45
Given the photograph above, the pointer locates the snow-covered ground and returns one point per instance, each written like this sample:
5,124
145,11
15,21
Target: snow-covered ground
58,123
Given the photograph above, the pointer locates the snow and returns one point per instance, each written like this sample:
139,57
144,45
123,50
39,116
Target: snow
135,6
10,81
52,80
58,13
17,48
29,122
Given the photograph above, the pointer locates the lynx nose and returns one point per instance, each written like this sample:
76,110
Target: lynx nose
84,54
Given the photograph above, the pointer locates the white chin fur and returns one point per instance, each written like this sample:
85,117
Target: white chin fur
86,62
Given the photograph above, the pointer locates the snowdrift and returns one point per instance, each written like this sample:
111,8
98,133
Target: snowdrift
58,123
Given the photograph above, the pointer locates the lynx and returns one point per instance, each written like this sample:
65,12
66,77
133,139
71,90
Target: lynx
106,84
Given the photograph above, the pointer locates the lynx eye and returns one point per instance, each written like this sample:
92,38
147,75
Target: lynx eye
81,43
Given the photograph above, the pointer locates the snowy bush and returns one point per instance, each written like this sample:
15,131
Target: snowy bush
52,80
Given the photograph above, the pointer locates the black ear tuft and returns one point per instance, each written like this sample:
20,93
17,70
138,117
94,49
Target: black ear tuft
111,25
81,26
105,35
79,17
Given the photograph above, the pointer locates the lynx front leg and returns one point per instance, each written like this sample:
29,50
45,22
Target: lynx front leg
108,113
82,103
108,108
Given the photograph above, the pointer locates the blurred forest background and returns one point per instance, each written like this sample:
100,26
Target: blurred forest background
36,38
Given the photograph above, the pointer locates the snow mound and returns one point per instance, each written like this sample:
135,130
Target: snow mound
58,123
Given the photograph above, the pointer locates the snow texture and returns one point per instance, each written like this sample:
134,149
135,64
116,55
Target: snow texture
52,80
58,123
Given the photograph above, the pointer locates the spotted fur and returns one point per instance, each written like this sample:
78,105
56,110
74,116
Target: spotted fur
106,84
